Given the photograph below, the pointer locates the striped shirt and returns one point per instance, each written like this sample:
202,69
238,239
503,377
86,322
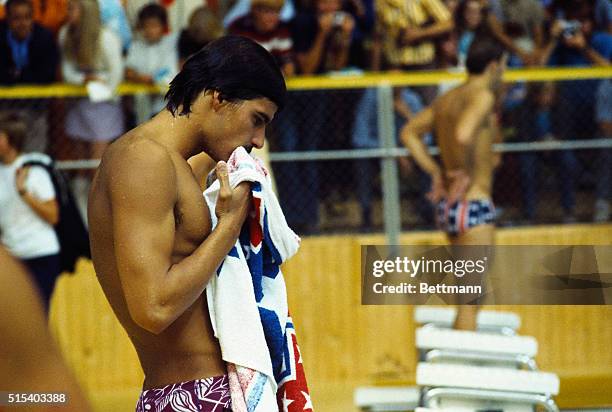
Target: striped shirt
397,15
278,42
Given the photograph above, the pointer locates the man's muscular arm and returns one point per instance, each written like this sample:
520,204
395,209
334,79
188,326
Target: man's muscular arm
158,291
411,136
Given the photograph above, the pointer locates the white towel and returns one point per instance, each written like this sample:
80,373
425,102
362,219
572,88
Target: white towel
247,298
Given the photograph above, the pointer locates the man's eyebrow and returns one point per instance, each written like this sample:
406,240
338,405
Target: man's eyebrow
264,116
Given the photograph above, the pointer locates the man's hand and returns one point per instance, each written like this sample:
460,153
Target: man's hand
326,22
437,191
459,182
577,41
232,205
20,179
348,24
411,36
556,29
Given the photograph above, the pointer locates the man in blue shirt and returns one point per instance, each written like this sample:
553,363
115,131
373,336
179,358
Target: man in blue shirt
28,52
28,55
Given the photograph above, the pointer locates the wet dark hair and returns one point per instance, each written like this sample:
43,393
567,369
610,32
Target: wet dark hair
483,50
153,11
13,125
12,3
236,67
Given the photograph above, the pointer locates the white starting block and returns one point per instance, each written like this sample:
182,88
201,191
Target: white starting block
446,345
460,388
506,323
387,398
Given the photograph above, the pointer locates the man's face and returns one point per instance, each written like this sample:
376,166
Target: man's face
240,123
152,30
266,18
473,14
20,20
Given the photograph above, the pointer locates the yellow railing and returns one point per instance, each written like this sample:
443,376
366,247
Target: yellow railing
339,81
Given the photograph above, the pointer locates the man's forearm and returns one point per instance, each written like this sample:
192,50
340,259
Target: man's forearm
498,32
436,29
310,60
343,55
187,279
595,58
547,52
418,150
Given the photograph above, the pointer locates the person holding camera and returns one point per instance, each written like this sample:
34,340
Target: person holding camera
574,42
322,37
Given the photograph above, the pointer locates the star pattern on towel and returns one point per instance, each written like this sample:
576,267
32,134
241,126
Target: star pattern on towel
308,404
286,402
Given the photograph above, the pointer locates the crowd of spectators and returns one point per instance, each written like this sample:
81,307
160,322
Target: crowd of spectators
102,43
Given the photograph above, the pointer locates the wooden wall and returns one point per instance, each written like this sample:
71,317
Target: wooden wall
343,343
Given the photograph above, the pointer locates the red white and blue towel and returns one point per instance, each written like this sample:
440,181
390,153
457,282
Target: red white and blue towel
247,301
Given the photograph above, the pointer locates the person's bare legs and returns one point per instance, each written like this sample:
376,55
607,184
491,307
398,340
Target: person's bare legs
479,235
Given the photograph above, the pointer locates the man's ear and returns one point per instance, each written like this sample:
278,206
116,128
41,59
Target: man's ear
492,67
216,100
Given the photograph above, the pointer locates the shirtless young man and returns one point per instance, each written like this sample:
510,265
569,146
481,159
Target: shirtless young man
152,244
463,121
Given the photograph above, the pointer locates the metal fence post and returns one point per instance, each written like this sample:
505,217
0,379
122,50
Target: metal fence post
390,179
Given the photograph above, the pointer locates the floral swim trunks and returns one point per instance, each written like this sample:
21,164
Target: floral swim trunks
200,395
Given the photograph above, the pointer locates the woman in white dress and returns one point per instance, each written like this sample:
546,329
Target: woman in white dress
91,56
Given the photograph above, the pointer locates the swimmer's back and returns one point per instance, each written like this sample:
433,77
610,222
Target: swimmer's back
186,349
449,110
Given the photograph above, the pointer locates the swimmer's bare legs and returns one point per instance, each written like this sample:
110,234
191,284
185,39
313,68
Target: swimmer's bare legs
479,235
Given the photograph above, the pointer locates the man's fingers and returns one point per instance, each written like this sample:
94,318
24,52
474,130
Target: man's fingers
223,176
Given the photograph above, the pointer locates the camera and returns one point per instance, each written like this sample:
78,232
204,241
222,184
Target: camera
569,28
339,17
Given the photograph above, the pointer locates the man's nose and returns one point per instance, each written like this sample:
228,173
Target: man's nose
259,138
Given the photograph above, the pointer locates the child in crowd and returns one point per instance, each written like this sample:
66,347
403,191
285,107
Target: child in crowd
204,26
152,59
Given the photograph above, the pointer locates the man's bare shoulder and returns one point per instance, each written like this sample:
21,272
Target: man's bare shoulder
461,97
137,163
136,154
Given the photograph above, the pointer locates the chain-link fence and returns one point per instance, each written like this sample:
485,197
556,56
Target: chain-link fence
338,163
